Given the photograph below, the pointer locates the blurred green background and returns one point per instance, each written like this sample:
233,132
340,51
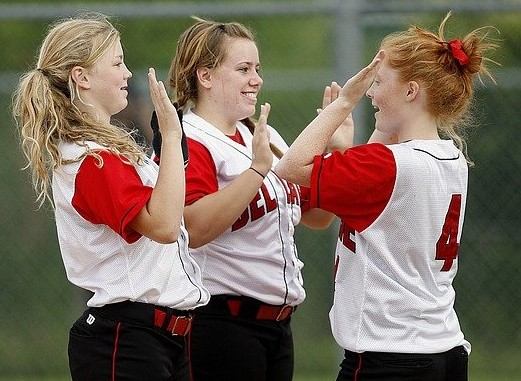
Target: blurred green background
304,45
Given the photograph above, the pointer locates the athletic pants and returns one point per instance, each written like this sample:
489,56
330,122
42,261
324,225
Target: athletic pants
234,344
129,341
379,366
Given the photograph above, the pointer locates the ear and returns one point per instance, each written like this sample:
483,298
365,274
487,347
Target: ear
413,89
204,76
79,77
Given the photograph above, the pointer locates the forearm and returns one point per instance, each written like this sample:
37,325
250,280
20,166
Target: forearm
160,218
213,214
297,162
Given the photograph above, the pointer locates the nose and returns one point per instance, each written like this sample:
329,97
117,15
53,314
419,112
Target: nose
256,80
369,92
129,73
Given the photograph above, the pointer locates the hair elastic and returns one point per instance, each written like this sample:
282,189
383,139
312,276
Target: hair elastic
456,48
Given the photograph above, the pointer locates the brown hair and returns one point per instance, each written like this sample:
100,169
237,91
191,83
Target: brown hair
423,56
204,44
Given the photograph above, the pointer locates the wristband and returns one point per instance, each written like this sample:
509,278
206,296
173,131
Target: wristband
257,172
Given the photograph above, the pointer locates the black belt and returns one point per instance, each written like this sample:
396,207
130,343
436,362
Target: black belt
245,307
175,322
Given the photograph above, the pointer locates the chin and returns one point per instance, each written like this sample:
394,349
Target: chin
122,107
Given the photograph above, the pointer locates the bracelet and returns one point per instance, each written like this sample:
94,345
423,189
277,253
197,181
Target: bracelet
260,174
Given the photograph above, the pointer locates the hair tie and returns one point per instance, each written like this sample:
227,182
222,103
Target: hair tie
43,71
456,48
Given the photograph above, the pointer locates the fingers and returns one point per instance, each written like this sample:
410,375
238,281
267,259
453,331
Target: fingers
331,92
326,99
335,90
166,113
263,117
371,69
357,85
262,155
158,92
265,112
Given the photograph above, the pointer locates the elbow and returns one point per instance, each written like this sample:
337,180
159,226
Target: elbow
198,236
294,172
167,236
282,170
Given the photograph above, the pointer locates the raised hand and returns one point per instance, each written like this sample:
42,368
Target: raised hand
262,155
343,137
356,87
166,113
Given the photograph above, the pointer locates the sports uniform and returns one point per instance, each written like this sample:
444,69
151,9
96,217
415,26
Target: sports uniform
401,208
252,270
142,290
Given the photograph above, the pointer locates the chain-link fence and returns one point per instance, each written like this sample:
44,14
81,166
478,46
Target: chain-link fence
304,46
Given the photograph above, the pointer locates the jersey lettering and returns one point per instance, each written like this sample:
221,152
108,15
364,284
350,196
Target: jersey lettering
292,193
346,235
447,245
256,209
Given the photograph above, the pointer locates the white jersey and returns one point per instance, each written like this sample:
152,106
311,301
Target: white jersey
256,256
98,259
397,249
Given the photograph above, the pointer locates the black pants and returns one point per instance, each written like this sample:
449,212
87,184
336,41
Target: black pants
238,348
379,366
120,343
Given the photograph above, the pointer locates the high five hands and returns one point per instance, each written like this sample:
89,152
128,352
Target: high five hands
262,155
343,137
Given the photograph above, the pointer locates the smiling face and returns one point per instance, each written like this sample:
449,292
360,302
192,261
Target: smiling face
388,96
104,85
235,83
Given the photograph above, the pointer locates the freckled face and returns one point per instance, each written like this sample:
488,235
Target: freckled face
387,95
236,81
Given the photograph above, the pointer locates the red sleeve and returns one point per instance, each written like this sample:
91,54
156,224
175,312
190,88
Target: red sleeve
355,185
112,195
304,199
201,174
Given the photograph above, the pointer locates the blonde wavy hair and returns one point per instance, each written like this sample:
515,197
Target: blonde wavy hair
44,101
426,57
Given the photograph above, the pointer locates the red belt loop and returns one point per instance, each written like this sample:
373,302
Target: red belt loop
180,325
177,326
277,313
234,306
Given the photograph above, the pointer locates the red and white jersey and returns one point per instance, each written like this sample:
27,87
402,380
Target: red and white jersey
401,209
101,253
256,256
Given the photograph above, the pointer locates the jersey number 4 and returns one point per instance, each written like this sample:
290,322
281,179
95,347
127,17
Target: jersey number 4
447,245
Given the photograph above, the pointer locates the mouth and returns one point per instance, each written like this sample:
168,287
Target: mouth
250,95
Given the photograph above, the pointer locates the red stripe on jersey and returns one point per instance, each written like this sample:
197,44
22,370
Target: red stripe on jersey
355,185
112,195
304,199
